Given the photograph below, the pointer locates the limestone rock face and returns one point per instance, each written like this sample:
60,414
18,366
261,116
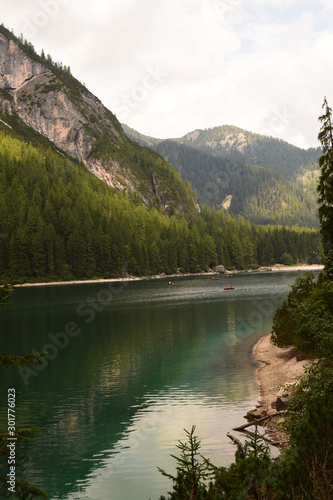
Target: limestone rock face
49,100
16,68
64,116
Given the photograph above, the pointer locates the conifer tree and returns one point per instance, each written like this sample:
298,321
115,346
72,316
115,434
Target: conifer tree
325,186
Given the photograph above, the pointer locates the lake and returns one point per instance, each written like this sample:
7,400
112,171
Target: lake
130,365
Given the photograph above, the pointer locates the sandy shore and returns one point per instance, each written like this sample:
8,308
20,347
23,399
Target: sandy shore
78,282
279,367
160,276
301,267
116,280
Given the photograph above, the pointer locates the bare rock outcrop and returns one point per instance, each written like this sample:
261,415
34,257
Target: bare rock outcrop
64,116
49,100
16,68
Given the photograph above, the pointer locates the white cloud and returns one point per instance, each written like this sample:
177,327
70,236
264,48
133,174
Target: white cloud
220,61
280,4
327,5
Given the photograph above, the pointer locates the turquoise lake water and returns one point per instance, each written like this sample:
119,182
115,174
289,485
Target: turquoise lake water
131,365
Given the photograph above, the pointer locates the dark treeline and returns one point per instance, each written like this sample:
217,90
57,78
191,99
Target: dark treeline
59,221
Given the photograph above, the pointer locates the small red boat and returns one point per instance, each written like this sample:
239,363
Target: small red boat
229,287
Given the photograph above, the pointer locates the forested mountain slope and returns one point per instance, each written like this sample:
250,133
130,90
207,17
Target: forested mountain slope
266,180
78,199
258,193
275,154
58,221
49,100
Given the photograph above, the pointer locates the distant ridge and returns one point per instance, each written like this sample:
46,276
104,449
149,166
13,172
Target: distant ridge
266,180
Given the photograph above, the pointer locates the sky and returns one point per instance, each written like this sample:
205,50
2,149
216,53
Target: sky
166,68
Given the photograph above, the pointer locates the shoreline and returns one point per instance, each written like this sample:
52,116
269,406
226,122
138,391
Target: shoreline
115,280
275,268
279,367
301,267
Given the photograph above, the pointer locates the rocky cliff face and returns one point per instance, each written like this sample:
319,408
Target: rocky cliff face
16,68
43,102
52,102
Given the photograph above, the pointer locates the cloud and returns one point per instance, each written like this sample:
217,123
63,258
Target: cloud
241,62
327,5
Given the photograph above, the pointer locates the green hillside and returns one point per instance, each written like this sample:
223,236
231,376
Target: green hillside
79,199
266,180
258,193
275,154
46,98
58,221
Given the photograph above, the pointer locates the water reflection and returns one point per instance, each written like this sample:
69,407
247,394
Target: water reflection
155,359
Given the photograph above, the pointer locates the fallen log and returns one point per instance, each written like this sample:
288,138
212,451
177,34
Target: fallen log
234,439
254,422
279,443
265,439
257,421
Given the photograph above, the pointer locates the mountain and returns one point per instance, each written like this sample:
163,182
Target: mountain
144,140
78,199
58,221
46,98
275,154
266,180
257,193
